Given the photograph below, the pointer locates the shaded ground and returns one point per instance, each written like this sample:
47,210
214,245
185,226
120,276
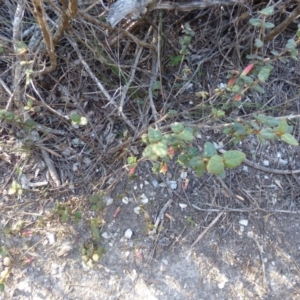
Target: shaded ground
157,236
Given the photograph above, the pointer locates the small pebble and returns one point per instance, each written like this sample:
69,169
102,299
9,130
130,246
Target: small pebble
144,199
50,237
105,235
137,210
154,183
108,200
173,184
6,261
243,222
266,162
182,205
125,200
128,233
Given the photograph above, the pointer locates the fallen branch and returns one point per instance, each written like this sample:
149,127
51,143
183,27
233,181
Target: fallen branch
135,8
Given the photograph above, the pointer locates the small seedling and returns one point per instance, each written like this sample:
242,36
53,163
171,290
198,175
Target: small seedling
65,213
97,201
91,254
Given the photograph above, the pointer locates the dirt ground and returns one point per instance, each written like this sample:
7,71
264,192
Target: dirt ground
250,252
91,231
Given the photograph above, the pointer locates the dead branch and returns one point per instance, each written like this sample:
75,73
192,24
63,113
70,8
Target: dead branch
135,8
278,29
41,19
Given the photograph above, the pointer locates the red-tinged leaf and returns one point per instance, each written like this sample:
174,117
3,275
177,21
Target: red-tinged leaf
247,69
131,170
171,152
238,97
231,81
169,216
164,169
186,183
117,211
138,254
27,233
28,260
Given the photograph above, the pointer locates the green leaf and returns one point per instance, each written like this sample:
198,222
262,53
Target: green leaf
209,150
192,151
3,252
264,74
268,25
175,60
177,127
75,118
258,43
199,171
172,113
282,126
255,22
156,86
95,232
247,79
30,123
196,162
289,139
291,44
233,158
239,128
83,121
254,125
267,120
2,287
65,216
172,140
160,149
258,88
148,152
236,89
268,134
268,11
154,135
215,165
274,52
186,134
183,159
94,198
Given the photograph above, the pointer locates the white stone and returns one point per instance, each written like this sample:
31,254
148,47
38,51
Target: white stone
154,183
105,235
125,200
183,175
144,199
108,200
172,184
51,237
183,205
243,222
266,162
137,210
128,233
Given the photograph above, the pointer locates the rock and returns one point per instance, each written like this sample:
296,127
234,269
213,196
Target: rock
125,200
6,261
105,235
51,237
108,200
243,222
182,205
128,233
266,162
172,184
